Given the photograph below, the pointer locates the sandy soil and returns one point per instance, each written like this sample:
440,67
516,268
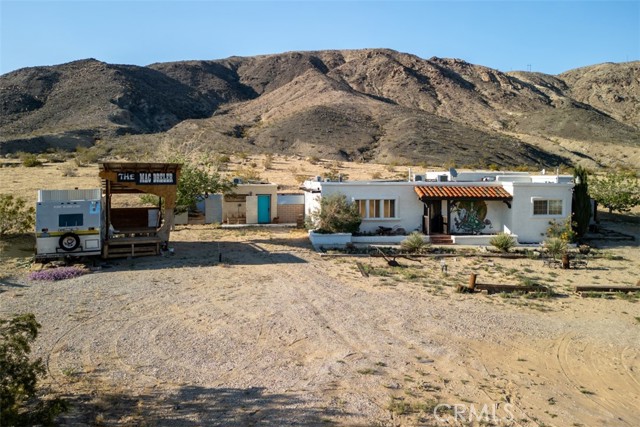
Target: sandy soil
277,334
280,335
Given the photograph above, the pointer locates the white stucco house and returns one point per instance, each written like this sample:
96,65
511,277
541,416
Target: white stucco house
455,207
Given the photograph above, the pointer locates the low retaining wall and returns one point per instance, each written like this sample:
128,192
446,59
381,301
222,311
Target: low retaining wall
340,240
378,240
479,240
335,240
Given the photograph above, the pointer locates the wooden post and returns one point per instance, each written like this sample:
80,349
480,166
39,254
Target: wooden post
565,261
472,281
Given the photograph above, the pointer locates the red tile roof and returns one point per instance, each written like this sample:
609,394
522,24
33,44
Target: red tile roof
462,192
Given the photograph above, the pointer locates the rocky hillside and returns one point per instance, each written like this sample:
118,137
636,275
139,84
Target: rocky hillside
370,105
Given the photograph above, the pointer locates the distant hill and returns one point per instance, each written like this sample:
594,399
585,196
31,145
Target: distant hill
364,105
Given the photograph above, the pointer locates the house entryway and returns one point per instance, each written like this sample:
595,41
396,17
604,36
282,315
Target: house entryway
432,220
264,208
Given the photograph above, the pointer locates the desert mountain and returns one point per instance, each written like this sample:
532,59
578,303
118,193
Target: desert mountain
370,105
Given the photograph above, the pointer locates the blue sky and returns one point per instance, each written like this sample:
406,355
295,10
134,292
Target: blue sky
546,36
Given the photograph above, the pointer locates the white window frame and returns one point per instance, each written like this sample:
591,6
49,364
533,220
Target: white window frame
550,203
379,204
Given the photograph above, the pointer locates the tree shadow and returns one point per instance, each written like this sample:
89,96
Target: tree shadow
198,406
206,254
7,284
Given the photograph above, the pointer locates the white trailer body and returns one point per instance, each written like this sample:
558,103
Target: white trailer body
69,223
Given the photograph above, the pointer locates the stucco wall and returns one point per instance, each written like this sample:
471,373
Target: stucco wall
408,208
531,228
518,219
249,207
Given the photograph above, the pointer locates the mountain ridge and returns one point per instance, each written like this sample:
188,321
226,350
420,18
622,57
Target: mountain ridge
366,105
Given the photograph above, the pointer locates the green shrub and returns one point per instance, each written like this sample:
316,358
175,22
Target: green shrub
503,242
335,215
15,216
414,243
194,183
555,246
562,230
85,156
29,160
19,404
618,191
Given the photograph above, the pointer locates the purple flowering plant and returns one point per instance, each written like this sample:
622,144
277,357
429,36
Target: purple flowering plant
60,273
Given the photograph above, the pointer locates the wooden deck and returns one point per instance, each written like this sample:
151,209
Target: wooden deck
131,247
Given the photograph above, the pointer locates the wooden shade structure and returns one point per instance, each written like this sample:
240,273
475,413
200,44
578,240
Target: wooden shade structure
132,237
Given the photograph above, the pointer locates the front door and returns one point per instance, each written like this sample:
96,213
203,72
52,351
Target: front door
264,208
432,219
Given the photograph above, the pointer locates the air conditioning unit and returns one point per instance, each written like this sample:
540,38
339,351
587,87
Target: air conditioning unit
417,177
237,181
443,178
318,178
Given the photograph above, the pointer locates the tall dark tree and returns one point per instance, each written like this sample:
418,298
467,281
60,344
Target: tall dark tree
581,203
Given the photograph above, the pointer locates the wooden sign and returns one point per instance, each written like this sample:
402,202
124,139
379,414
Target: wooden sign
148,178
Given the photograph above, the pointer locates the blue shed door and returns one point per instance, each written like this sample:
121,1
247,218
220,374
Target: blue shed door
264,208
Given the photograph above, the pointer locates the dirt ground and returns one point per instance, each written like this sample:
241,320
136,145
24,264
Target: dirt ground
252,327
278,334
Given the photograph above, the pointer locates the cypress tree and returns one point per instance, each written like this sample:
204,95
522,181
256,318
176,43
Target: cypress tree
581,202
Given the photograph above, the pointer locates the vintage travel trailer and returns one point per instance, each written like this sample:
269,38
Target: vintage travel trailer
76,223
69,223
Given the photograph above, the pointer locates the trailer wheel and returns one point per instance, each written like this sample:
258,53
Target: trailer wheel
69,242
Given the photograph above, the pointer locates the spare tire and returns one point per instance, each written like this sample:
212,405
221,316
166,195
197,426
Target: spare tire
69,242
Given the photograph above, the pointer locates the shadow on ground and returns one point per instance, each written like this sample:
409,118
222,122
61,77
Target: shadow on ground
197,406
205,254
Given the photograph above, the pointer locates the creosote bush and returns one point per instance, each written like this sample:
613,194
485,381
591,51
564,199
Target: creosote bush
503,242
15,216
335,215
19,405
29,160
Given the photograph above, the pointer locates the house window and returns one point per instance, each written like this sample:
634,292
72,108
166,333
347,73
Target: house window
547,207
362,207
377,208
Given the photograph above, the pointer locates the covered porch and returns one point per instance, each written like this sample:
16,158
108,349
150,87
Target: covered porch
462,210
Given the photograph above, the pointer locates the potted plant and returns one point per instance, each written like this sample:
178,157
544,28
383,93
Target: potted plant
333,223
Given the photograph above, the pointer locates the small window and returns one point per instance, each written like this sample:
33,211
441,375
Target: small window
555,207
377,208
374,208
389,208
70,220
547,207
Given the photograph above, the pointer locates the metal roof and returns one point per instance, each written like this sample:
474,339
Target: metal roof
460,192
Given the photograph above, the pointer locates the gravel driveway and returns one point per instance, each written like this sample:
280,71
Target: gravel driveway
277,335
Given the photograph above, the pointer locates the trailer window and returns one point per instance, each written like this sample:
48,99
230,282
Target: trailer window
70,220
